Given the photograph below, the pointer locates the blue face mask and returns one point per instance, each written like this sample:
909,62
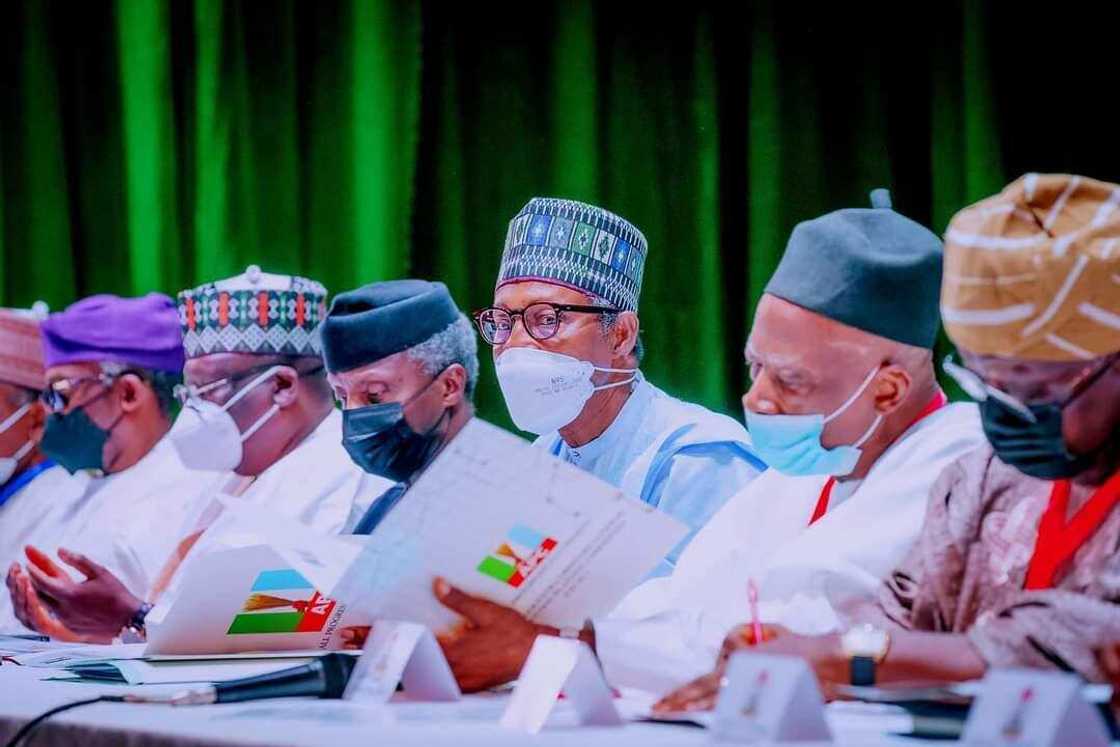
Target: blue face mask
791,444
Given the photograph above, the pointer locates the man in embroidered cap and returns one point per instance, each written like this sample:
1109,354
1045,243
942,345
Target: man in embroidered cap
256,385
566,340
403,362
1016,564
111,366
31,485
845,408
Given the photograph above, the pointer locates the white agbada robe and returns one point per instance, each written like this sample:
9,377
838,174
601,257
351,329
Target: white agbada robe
23,521
315,484
669,630
124,521
25,512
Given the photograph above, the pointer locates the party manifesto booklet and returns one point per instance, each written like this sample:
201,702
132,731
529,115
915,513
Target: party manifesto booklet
502,519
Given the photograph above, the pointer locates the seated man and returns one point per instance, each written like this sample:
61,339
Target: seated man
1017,563
565,335
256,385
403,361
30,483
111,366
845,407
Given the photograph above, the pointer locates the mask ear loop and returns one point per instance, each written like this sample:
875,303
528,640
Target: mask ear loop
848,403
23,451
15,417
617,383
870,431
260,423
244,391
874,425
422,392
265,376
251,430
633,377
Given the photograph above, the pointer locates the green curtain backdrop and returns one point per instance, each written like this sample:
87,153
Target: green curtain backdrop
150,145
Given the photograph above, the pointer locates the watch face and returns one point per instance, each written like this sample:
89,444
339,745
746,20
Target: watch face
865,640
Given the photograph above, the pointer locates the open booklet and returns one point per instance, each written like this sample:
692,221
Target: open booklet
505,520
493,515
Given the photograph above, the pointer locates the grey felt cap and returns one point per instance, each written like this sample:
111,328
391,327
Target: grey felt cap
872,269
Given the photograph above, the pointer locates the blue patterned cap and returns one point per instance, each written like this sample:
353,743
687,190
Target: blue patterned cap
576,245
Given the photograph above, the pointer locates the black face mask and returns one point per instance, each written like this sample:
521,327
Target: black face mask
1036,449
381,442
75,441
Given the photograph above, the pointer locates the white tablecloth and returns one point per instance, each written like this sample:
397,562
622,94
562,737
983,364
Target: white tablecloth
24,694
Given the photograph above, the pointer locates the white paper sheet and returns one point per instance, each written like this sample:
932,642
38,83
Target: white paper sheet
569,545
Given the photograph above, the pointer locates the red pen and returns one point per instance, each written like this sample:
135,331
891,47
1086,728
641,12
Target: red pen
756,622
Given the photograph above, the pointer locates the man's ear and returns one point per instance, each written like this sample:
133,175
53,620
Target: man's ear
285,386
891,387
132,392
624,335
453,385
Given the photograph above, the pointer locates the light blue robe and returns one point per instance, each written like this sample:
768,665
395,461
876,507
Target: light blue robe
680,457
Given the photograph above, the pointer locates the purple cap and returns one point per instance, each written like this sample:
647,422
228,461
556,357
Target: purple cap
142,332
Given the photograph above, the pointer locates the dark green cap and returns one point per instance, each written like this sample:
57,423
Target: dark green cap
872,269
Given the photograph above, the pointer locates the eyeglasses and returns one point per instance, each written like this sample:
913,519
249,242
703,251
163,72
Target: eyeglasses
976,387
542,320
212,391
58,394
186,392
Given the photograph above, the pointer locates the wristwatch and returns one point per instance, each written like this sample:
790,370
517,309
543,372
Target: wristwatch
135,630
865,646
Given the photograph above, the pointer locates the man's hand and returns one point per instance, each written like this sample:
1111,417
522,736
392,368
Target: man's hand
19,588
823,654
491,646
354,637
31,611
742,636
96,608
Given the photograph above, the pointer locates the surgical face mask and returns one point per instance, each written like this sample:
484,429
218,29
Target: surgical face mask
546,391
215,443
381,442
73,440
9,464
792,445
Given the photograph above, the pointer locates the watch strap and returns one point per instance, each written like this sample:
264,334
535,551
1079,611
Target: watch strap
862,671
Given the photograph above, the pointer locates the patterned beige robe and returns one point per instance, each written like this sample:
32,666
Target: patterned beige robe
966,573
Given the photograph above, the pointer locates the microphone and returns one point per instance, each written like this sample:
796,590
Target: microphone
325,677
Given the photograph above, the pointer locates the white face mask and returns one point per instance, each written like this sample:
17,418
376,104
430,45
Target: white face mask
545,391
9,464
215,443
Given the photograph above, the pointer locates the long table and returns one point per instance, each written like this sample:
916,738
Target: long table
24,694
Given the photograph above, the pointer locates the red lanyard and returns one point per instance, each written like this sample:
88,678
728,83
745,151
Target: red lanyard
1058,540
939,400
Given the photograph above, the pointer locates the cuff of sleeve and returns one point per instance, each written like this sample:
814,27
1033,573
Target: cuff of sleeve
995,649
